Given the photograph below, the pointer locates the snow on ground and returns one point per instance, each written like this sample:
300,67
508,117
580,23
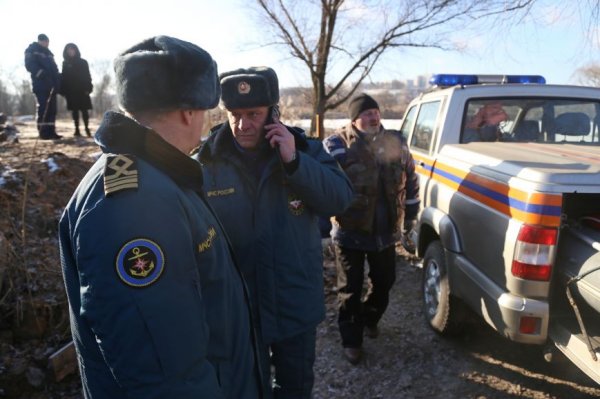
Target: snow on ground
338,123
52,165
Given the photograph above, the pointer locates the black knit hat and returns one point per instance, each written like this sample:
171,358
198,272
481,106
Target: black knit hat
360,103
43,38
249,87
166,73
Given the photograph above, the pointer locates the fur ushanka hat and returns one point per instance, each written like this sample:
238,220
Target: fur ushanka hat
249,87
163,73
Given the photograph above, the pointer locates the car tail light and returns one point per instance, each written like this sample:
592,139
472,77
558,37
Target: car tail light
534,253
530,325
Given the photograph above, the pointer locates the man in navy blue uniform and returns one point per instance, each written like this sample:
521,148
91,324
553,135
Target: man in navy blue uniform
45,79
386,202
158,308
269,183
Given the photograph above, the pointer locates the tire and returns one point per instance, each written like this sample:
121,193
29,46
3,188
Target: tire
443,312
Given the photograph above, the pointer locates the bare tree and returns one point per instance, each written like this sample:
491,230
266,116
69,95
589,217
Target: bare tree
589,75
352,35
26,102
103,97
6,99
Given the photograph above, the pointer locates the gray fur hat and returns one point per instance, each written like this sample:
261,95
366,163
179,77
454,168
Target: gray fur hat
249,87
166,73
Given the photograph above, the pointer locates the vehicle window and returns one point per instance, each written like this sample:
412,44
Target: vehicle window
424,127
488,120
409,120
577,123
542,120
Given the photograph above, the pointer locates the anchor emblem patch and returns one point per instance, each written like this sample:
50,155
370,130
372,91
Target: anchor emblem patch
140,262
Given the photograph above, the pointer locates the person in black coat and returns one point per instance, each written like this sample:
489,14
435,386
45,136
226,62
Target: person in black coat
76,86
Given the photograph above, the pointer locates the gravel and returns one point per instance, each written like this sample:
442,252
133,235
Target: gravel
409,360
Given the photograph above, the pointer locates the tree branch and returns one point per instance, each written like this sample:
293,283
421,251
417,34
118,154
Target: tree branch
285,34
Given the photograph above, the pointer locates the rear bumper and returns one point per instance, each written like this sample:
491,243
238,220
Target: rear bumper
500,309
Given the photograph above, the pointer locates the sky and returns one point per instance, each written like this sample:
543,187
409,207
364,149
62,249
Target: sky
553,40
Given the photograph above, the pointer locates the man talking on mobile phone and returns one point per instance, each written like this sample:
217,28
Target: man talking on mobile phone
269,184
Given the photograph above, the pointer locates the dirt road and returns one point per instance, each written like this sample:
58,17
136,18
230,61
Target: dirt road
408,360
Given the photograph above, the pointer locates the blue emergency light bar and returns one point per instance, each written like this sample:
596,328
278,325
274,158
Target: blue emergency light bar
453,80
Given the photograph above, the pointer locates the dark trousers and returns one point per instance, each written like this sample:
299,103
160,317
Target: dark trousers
46,114
84,115
354,314
293,361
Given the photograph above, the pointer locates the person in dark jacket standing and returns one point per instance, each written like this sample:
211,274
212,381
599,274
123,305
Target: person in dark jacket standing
382,171
45,79
268,184
158,308
76,86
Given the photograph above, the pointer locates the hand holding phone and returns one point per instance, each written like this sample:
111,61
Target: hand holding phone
279,137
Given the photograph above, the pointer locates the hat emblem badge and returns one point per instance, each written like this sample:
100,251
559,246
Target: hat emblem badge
243,88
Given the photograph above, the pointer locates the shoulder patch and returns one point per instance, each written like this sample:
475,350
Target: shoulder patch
120,173
140,262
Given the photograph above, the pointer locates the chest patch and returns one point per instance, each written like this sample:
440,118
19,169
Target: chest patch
140,262
295,205
207,243
219,193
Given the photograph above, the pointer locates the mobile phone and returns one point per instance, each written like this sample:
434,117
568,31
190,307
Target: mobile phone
273,114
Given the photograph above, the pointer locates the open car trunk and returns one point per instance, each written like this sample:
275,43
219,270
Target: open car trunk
575,301
578,253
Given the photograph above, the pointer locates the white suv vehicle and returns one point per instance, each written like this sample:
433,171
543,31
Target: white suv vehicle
510,223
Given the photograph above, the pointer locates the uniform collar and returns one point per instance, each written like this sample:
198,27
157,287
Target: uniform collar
35,46
119,134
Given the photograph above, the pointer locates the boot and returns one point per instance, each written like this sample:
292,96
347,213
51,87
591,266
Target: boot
48,133
86,120
353,355
76,121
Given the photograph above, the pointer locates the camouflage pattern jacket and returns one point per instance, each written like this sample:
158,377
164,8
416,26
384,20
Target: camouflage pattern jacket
386,188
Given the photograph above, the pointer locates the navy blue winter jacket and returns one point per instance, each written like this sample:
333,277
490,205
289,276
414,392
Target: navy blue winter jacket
273,224
39,62
157,306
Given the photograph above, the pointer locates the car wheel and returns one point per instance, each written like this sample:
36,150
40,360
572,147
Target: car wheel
443,312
